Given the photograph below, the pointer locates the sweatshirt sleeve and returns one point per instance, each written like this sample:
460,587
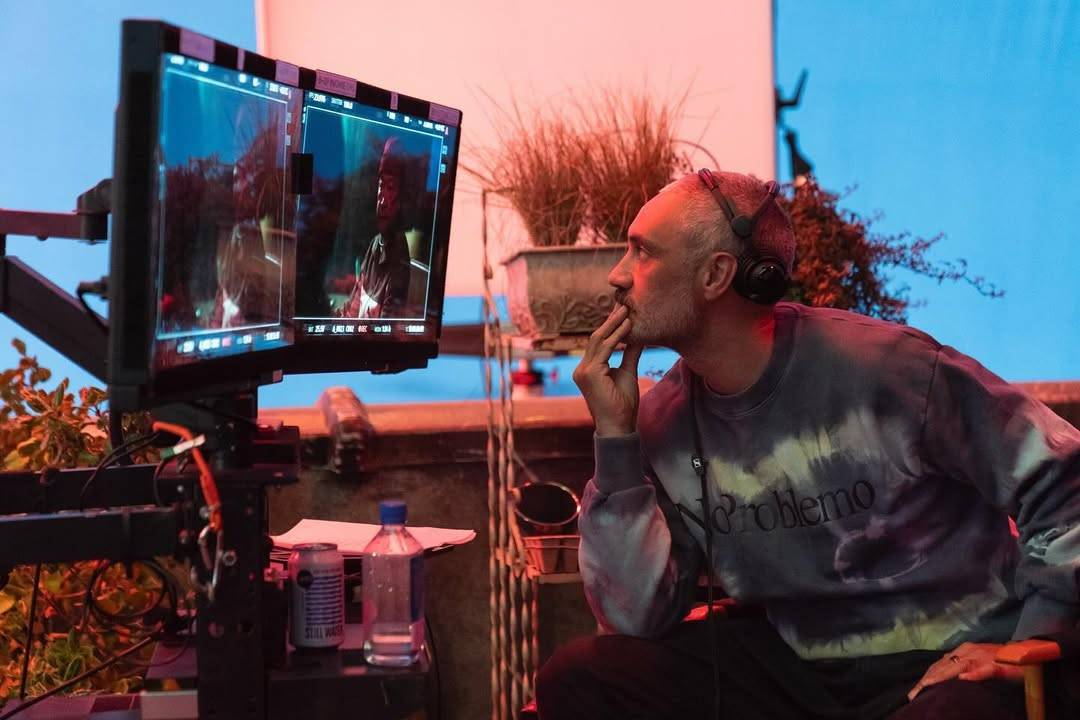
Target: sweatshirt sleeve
1025,460
638,560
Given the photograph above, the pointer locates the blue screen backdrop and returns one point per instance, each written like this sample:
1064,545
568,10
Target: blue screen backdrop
942,118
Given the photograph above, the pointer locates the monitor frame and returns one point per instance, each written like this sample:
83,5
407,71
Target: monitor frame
133,382
308,354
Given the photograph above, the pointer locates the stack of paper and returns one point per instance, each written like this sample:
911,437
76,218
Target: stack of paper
352,538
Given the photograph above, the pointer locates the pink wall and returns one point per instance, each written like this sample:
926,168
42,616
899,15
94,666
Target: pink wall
457,53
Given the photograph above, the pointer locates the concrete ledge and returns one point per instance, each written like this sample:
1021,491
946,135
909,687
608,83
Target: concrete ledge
570,412
1061,396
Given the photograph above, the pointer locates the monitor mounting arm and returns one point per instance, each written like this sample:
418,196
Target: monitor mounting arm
41,306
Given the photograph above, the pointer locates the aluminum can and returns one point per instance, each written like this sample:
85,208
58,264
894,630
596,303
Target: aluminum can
317,597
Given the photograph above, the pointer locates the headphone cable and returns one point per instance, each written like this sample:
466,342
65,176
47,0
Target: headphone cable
701,468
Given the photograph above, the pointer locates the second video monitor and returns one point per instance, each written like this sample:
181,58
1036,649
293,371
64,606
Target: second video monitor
368,224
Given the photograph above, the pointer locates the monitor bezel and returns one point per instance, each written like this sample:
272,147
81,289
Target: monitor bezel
133,383
308,354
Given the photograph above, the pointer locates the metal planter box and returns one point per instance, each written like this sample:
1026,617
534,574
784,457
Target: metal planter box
558,291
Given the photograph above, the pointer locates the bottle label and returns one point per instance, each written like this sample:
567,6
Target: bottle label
416,584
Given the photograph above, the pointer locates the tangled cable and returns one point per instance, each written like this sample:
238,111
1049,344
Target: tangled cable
214,525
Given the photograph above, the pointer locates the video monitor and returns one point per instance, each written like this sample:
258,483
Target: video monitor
204,241
268,219
225,222
372,232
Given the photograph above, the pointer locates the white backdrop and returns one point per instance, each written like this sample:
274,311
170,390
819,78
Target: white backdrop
460,53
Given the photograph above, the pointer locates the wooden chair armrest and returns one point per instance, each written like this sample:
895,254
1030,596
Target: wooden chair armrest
1028,652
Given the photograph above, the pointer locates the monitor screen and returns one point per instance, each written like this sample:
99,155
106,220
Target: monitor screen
263,225
372,232
224,226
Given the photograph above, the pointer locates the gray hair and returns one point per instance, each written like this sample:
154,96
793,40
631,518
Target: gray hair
702,220
708,230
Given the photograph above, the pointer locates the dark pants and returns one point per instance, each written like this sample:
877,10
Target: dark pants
616,676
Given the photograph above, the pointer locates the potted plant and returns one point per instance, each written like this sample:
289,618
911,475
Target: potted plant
577,178
631,151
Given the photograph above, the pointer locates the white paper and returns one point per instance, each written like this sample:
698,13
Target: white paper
352,538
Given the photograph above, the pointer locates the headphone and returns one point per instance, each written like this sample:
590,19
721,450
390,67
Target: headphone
759,278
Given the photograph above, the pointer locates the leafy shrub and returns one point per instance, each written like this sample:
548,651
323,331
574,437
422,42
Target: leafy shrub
42,428
841,263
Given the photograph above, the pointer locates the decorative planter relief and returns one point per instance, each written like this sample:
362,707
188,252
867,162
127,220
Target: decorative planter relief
561,290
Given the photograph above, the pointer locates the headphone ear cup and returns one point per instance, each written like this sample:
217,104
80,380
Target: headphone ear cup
761,280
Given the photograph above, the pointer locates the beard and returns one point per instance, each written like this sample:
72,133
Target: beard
667,320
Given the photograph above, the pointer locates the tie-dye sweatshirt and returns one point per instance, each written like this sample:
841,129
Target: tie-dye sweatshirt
861,492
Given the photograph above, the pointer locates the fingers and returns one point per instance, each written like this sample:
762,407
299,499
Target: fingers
978,661
630,358
616,337
601,353
617,317
945,669
602,342
970,661
983,672
927,681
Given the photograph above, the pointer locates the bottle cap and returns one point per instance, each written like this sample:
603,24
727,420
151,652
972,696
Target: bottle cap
392,512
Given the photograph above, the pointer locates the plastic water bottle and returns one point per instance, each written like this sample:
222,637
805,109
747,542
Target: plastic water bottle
393,591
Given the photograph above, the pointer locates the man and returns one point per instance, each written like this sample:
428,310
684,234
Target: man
247,282
860,479
245,264
382,277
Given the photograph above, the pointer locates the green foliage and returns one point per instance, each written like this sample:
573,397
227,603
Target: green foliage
840,262
42,428
68,639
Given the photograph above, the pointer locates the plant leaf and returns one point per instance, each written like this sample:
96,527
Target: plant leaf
14,461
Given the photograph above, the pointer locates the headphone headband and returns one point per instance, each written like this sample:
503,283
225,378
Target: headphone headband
760,278
741,225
